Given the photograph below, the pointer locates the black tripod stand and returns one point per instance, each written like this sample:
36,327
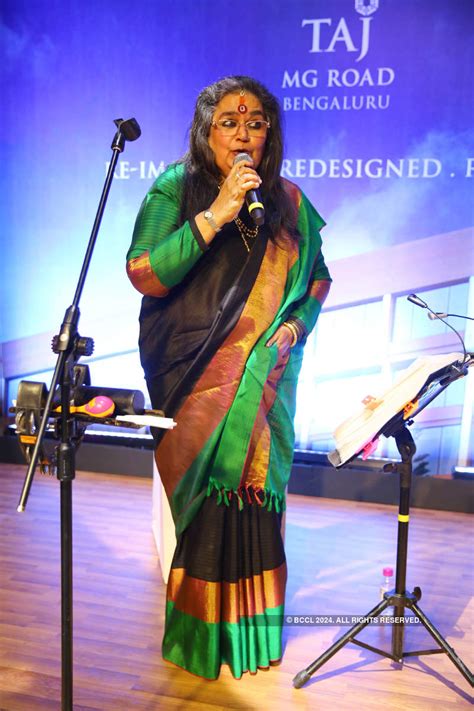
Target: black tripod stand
398,598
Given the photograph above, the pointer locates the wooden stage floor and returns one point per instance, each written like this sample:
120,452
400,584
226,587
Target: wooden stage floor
335,550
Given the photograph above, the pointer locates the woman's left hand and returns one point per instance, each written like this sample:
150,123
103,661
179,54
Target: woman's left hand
283,337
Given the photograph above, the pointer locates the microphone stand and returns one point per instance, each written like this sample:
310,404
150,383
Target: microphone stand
70,347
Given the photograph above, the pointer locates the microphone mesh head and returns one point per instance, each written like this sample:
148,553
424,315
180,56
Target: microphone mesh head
241,156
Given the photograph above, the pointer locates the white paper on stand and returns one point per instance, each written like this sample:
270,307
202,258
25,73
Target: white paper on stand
166,423
355,432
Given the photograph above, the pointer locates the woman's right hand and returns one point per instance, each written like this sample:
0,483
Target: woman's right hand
241,178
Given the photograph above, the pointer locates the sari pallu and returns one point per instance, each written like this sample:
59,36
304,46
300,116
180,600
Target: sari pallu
226,466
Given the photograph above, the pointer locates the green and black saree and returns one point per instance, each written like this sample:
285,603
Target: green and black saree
206,316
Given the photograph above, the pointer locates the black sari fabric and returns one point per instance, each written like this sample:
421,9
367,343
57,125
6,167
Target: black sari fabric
180,332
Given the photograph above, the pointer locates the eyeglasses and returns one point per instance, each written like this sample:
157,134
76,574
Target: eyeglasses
230,127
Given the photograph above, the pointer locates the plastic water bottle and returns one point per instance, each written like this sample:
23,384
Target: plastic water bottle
386,582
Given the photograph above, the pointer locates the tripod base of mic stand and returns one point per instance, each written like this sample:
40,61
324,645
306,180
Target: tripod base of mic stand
399,602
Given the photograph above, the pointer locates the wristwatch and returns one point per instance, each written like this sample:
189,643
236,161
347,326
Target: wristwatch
209,216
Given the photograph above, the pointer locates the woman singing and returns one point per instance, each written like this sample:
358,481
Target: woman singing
226,310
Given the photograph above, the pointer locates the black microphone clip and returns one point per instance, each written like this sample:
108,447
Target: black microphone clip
128,130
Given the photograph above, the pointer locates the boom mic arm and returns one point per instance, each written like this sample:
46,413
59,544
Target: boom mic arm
441,317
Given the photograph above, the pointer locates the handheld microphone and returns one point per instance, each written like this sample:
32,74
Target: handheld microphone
252,199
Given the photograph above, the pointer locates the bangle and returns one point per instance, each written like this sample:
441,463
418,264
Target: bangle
293,331
300,327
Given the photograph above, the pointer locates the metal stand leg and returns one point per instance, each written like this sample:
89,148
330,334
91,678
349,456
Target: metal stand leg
303,676
66,596
66,476
445,647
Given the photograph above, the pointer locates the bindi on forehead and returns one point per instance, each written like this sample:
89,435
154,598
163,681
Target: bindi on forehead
240,103
242,107
254,112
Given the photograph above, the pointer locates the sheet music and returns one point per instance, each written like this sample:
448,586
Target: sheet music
358,431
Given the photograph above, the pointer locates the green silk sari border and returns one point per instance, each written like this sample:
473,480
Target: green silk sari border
251,643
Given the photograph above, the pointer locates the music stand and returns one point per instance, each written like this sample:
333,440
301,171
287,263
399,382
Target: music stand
453,367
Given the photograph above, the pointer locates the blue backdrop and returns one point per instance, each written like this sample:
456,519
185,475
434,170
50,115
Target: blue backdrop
377,99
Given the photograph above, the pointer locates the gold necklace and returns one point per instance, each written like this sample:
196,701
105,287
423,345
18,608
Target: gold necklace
245,232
